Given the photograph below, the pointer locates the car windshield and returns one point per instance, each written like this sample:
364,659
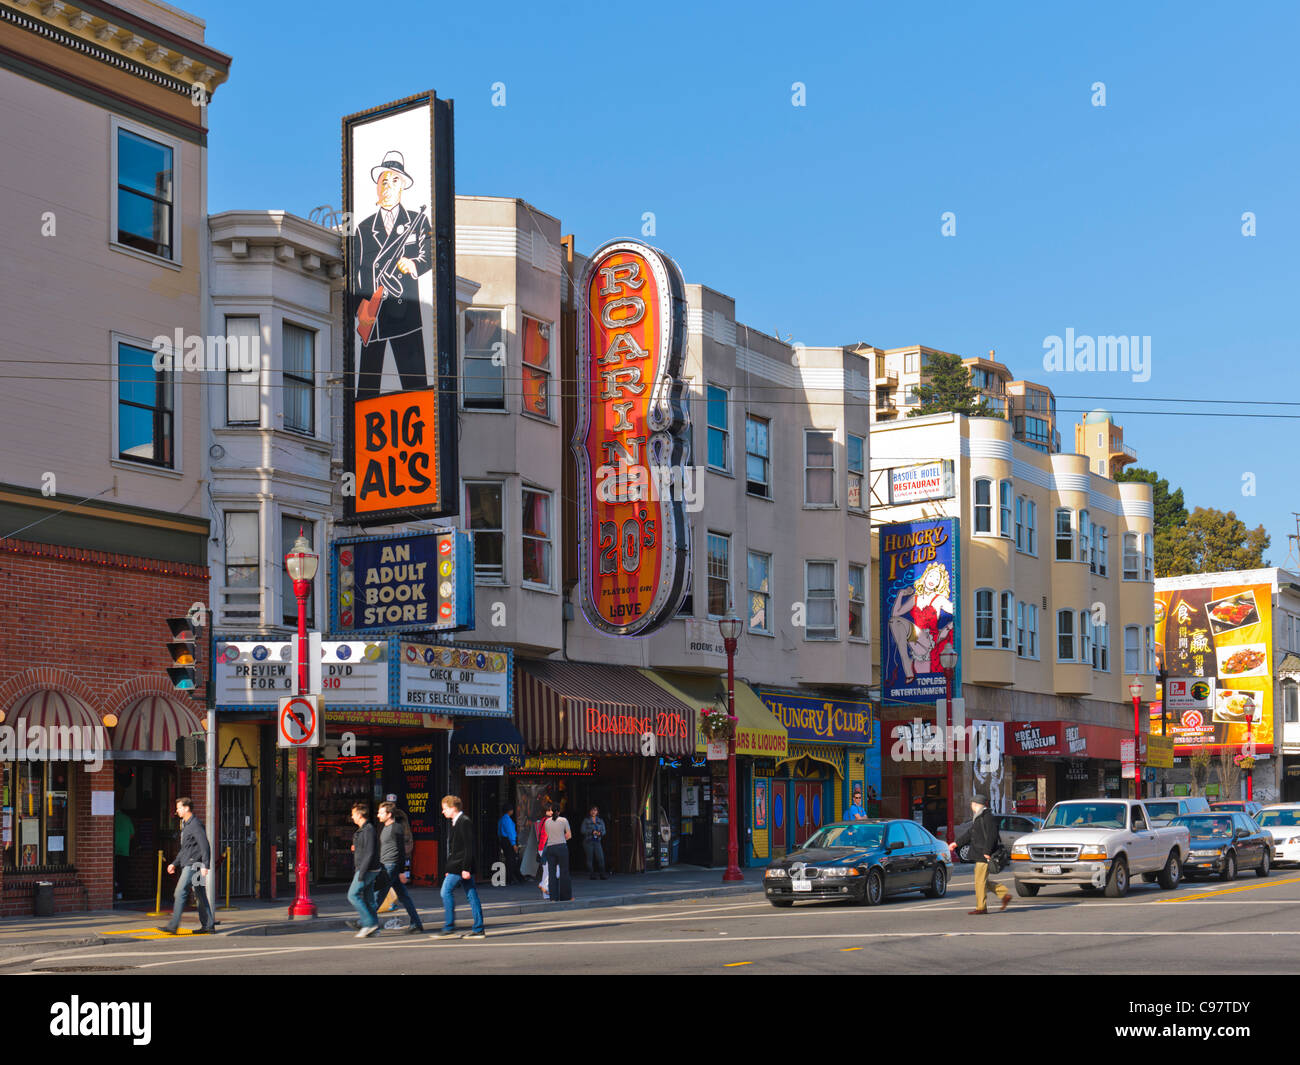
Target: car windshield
847,836
1228,806
1090,814
1161,810
1200,825
1281,818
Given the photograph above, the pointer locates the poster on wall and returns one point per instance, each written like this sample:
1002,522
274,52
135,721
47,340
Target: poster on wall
399,316
629,442
1221,634
919,590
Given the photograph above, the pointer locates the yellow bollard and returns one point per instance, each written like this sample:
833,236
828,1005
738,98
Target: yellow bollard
157,904
227,906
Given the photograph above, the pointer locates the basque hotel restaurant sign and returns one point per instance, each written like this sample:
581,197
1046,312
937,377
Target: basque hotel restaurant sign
629,442
399,317
418,583
919,590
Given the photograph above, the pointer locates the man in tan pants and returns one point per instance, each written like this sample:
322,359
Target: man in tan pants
983,836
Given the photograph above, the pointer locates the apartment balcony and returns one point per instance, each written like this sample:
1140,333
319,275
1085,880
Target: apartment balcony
1121,455
886,378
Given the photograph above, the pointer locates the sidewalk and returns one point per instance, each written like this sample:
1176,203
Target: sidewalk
21,936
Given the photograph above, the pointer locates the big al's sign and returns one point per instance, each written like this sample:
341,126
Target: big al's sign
629,442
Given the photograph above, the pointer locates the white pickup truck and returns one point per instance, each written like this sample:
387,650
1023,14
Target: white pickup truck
1099,844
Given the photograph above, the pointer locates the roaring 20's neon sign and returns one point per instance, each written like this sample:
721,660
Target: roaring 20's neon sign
629,442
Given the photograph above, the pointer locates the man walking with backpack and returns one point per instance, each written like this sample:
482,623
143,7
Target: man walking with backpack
984,843
459,870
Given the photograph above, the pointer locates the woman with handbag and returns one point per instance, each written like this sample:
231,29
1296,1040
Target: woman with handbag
558,835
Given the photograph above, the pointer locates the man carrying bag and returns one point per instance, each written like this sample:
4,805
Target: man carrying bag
984,845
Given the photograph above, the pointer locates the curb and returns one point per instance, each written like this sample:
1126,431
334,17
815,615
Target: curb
14,952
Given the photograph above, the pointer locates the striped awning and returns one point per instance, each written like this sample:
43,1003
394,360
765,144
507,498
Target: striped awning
58,725
151,724
582,707
52,708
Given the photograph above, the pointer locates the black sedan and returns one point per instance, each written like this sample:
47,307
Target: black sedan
1224,842
862,861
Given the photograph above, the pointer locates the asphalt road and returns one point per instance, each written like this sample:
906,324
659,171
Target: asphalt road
1250,926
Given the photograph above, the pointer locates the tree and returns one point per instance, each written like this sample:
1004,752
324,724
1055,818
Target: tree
1213,541
1170,512
949,390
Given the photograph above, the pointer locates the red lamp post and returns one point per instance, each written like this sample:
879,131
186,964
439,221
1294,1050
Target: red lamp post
948,659
730,627
1135,690
301,563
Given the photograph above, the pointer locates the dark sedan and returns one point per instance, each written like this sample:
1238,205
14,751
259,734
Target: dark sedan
862,861
1223,843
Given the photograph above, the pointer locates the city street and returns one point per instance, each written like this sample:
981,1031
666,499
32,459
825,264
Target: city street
1249,926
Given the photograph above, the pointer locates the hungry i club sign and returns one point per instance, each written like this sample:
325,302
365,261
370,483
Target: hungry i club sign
629,442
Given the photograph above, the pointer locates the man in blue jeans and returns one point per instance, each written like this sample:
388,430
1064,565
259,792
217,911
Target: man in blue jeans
192,860
392,856
459,870
365,860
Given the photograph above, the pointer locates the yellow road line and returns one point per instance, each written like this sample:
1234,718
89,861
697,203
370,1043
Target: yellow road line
1263,883
733,964
844,950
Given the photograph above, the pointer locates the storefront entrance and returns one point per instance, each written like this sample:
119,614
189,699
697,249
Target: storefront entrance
799,808
925,801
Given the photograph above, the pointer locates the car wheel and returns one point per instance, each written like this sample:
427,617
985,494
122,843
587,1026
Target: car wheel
1265,864
1229,867
963,852
1027,891
938,884
1172,872
1117,882
875,889
781,903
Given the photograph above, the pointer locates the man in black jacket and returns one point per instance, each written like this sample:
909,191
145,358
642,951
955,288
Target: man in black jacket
984,840
192,860
365,860
459,870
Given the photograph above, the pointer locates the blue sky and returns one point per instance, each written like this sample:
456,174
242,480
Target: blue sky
824,221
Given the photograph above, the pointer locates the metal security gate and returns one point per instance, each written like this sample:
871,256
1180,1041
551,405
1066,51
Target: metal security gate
237,833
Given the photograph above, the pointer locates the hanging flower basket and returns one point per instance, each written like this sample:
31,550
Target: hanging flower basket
716,725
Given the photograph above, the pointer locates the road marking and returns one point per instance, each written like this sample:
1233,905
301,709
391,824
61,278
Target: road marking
735,964
845,950
1263,883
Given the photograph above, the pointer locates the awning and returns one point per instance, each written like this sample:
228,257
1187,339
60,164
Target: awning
582,707
487,742
49,723
758,733
149,726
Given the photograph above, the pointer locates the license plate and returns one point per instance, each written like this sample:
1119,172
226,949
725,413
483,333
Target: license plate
801,885
1055,869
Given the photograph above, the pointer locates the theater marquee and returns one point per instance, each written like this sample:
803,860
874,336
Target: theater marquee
629,442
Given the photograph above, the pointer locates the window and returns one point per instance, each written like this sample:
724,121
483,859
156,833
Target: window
687,609
857,603
757,457
485,521
1020,523
1020,629
1086,637
243,386
299,378
719,429
1132,559
1065,635
483,372
1148,558
983,505
1031,529
760,592
819,469
910,398
820,618
857,450
1132,649
537,537
1149,634
145,408
984,617
912,362
36,826
1085,537
242,598
1004,508
1101,648
719,574
1064,536
1007,602
537,367
145,194
290,530
1290,702
1100,549
1031,628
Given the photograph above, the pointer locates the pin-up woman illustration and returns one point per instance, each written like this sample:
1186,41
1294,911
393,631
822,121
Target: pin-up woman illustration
921,622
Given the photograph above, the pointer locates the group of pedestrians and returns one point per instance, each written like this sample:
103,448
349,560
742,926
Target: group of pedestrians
552,834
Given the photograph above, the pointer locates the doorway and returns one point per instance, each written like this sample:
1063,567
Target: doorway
238,833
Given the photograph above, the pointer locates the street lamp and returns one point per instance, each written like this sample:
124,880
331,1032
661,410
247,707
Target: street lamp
1135,690
948,659
730,627
301,563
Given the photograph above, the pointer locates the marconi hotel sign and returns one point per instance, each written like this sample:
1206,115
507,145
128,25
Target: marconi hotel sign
635,542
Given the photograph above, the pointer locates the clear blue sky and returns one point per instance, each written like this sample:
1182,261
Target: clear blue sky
823,221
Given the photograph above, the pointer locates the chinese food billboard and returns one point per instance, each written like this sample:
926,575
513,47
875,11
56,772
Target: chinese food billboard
1221,632
918,595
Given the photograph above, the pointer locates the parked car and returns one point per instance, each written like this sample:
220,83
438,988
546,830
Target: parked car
1282,821
1241,806
860,861
1098,844
1010,828
1168,809
1224,842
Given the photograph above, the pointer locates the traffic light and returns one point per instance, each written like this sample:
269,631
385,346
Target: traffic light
192,751
183,648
